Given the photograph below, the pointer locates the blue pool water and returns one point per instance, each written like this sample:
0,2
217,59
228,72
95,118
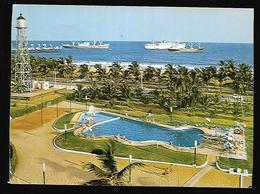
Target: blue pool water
140,131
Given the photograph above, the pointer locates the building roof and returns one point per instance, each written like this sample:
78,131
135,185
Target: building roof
20,17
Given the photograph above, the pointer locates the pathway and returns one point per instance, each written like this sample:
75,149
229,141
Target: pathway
198,176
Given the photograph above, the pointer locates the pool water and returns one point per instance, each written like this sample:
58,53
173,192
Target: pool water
141,131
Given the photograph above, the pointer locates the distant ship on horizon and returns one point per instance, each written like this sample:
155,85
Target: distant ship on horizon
87,45
164,45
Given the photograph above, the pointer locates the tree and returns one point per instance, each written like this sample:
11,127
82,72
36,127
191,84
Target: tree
149,73
205,101
17,86
69,60
94,92
84,71
101,72
126,92
80,93
134,70
207,74
109,173
115,71
169,72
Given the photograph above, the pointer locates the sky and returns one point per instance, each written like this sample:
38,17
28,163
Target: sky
121,23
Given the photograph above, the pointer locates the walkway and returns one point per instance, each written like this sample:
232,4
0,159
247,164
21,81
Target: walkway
197,176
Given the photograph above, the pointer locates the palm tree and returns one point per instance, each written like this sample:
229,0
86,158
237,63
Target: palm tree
79,94
109,90
101,72
158,75
84,71
181,79
115,71
17,86
94,92
109,173
126,92
207,74
149,73
69,60
205,101
169,72
134,69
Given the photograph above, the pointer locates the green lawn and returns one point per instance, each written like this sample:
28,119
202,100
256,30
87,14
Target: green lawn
65,120
141,152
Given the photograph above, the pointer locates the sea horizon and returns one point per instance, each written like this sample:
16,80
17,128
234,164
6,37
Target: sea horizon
125,52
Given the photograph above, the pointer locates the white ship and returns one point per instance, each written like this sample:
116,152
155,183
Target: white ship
87,45
192,47
40,48
164,45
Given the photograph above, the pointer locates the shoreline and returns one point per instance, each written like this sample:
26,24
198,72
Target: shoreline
125,65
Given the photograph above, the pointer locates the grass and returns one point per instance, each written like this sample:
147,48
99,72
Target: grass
141,152
65,120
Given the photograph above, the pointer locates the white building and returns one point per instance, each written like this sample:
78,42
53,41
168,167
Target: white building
45,85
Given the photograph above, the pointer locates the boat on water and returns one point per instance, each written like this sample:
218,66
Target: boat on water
164,45
87,45
41,48
189,48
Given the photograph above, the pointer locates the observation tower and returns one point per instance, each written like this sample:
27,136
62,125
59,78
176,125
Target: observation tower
23,68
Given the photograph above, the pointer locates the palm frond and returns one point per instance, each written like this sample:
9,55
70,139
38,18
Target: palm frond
122,172
93,168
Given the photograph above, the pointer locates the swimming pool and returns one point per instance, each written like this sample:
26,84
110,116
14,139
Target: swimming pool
141,131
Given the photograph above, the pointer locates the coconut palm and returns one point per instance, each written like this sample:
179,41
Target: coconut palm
243,79
109,173
207,74
158,75
109,90
125,89
17,86
181,79
134,69
84,71
169,72
80,93
205,101
94,92
69,60
101,72
149,73
115,71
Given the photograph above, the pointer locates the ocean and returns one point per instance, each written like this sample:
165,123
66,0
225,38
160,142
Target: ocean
125,52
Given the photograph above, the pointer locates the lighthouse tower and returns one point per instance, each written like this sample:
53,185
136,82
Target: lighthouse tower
22,60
